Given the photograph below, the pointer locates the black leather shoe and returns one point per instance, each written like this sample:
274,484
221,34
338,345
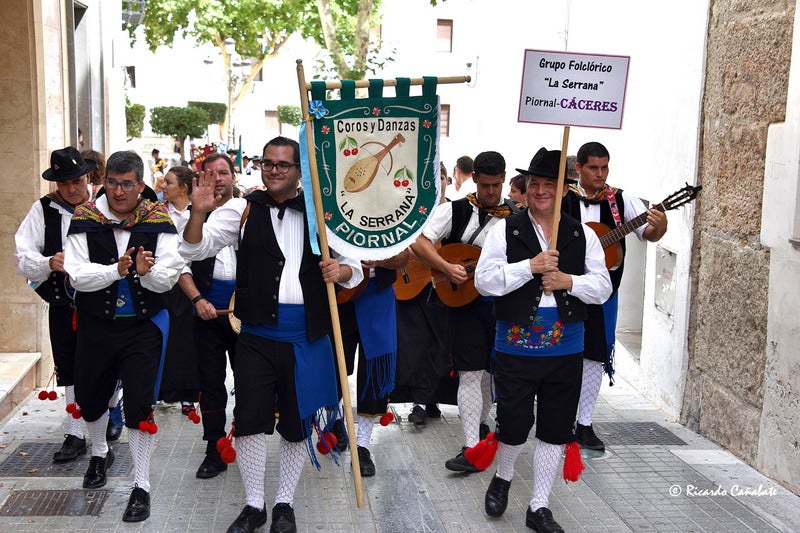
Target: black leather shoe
365,462
95,476
249,520
587,439
541,520
211,466
496,499
459,463
418,416
138,508
70,450
433,411
341,435
282,519
113,431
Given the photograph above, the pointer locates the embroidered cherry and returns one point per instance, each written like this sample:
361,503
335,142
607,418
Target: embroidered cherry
387,418
404,183
346,152
354,151
397,183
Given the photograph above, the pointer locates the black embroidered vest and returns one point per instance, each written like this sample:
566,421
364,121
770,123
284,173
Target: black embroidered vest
521,305
102,303
52,290
259,268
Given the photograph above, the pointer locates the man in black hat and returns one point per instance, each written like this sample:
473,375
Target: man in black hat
540,298
470,328
39,257
122,258
593,200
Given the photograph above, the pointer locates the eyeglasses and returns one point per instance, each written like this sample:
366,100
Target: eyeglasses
112,185
282,166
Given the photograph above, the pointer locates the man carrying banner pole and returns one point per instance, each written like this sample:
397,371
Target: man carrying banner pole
283,355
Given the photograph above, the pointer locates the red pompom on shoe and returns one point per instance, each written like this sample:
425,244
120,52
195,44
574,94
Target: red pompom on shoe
573,462
482,454
228,455
52,395
387,418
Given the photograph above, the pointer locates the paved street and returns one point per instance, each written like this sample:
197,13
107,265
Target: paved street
655,476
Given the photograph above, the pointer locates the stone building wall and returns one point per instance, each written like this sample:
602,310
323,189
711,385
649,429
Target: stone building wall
749,46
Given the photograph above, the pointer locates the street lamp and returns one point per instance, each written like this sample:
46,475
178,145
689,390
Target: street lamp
230,49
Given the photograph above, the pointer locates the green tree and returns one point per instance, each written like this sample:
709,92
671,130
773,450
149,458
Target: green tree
290,114
180,122
134,119
257,29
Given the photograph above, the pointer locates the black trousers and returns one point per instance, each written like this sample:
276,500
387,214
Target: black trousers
213,338
63,340
552,383
124,348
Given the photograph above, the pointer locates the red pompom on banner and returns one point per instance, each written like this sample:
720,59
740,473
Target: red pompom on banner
387,418
228,455
42,395
573,462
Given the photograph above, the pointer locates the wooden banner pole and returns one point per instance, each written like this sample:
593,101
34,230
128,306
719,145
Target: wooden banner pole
323,244
562,165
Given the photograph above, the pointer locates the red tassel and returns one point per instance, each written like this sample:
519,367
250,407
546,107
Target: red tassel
482,454
74,319
573,462
228,455
387,418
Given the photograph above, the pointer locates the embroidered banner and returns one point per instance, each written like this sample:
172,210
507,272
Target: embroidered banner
378,165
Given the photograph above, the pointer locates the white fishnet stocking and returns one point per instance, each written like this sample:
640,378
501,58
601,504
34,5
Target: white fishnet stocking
590,389
364,433
506,457
251,455
470,404
291,457
546,460
141,446
486,392
97,434
74,425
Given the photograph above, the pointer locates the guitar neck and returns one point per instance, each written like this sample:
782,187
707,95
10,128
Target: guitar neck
618,233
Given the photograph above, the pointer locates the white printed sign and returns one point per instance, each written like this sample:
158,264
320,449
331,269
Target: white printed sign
572,89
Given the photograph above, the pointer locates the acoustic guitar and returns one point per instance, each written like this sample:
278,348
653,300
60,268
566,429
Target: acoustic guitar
346,295
610,237
411,279
451,294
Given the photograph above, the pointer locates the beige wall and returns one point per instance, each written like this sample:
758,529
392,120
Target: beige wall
32,115
748,55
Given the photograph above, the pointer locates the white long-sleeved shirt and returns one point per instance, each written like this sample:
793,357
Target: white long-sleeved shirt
495,276
441,224
86,276
222,229
29,240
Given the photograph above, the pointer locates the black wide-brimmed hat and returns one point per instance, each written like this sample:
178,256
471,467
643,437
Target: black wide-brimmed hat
545,164
66,164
